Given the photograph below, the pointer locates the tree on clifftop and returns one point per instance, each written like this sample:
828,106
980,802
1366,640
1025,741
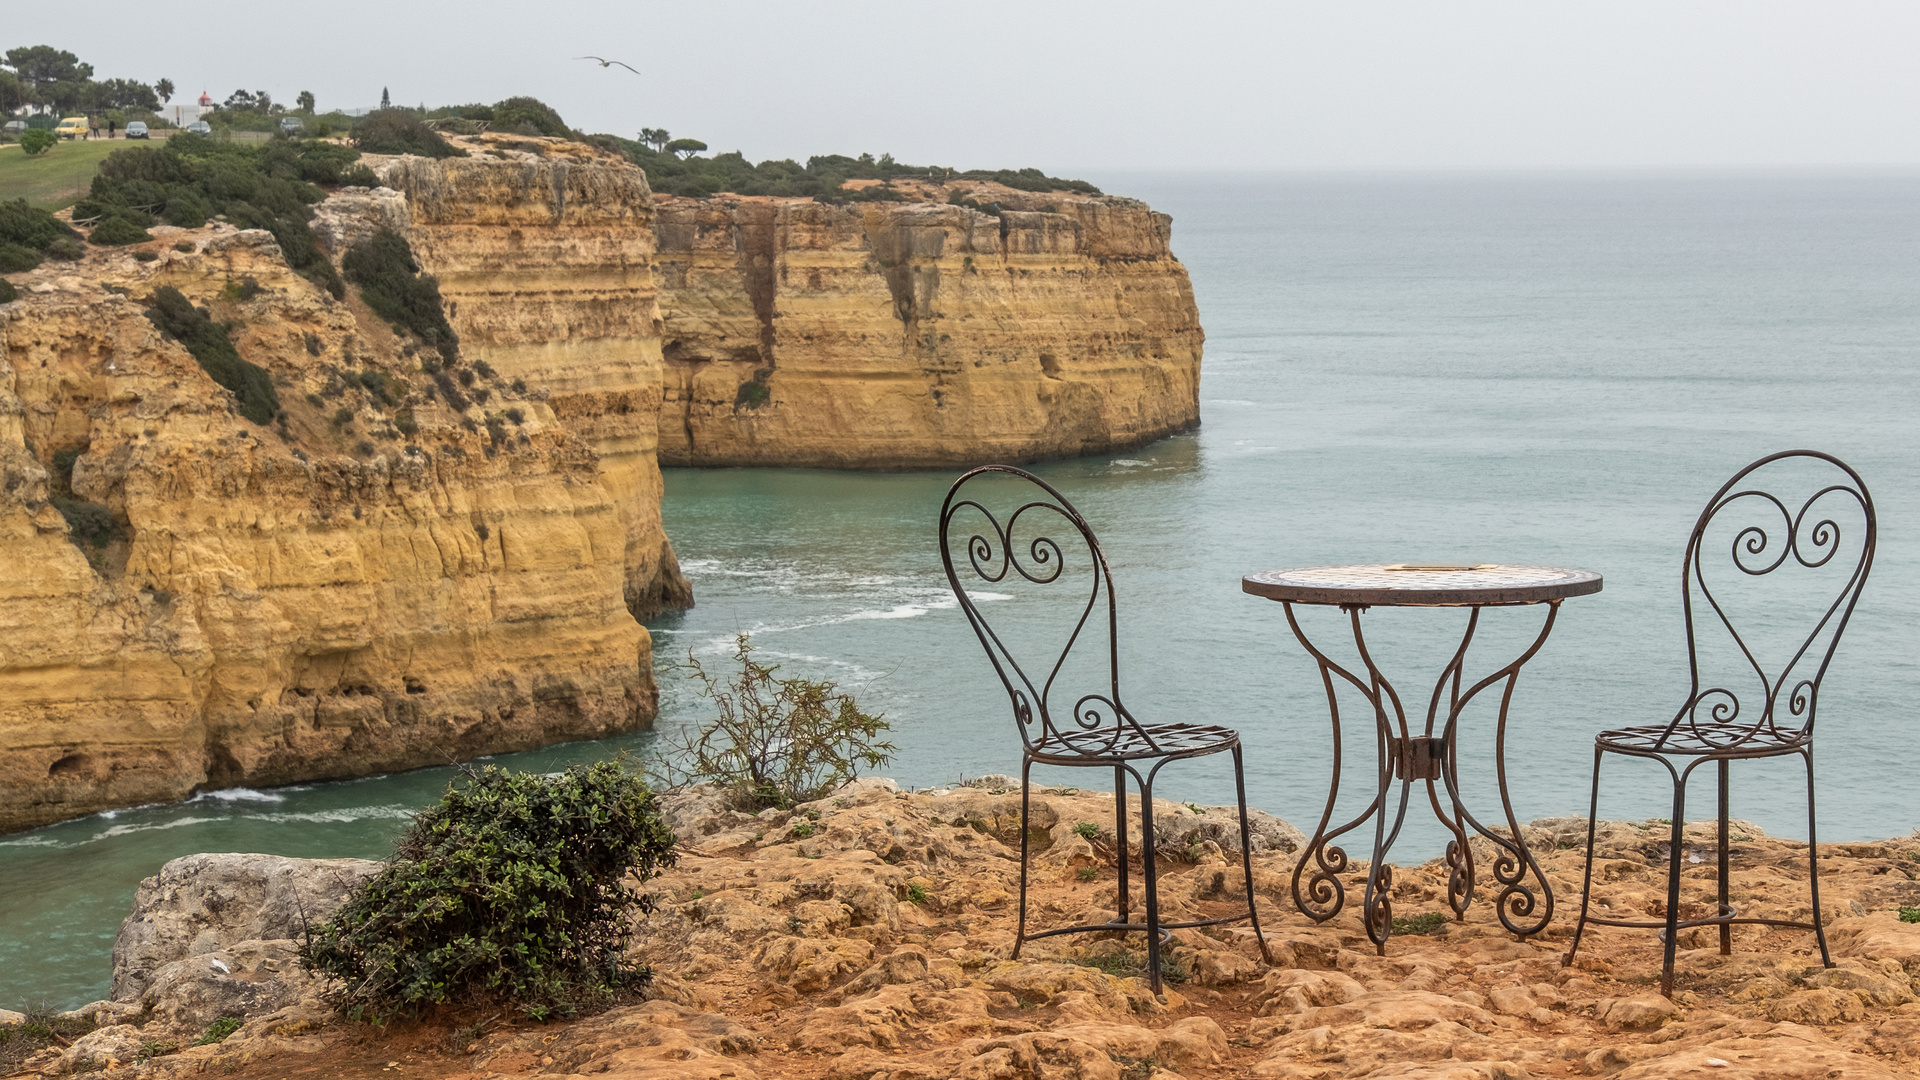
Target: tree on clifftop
685,147
385,101
165,89
305,102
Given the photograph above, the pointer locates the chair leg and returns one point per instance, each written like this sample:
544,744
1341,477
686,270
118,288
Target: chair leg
1726,929
1120,836
1813,866
1026,789
1673,883
1153,881
1586,887
1246,853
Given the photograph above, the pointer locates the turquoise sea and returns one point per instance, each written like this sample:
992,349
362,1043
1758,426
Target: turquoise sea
1552,368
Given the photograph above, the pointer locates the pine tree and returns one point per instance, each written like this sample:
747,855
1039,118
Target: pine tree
385,101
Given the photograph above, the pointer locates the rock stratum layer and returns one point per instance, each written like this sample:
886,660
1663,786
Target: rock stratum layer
921,333
868,936
394,577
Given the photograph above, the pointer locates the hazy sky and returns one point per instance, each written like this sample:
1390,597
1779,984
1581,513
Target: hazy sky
1072,86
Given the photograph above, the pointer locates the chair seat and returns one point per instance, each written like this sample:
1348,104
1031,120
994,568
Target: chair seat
1107,744
1727,740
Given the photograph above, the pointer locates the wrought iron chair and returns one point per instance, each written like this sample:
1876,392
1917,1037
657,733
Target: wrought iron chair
1094,729
1780,710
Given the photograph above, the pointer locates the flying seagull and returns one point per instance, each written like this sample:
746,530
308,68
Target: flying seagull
610,63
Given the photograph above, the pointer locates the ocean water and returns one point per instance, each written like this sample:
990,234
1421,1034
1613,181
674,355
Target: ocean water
1521,369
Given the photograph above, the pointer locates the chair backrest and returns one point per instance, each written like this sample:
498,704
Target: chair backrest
1780,553
1026,552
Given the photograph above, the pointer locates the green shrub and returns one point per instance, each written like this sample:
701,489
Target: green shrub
8,294
513,887
776,742
117,231
530,116
37,141
1086,830
89,524
208,342
1910,914
753,393
392,285
16,257
398,131
916,894
30,226
358,176
66,249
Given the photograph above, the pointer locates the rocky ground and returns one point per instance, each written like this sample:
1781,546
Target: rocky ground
865,937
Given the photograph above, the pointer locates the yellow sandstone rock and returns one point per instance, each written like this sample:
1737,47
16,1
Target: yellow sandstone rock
373,585
912,334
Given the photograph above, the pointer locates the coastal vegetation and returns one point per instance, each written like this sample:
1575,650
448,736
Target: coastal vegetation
29,234
775,741
513,888
174,315
390,281
399,131
190,178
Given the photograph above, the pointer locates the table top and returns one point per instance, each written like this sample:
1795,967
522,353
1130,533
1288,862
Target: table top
1413,585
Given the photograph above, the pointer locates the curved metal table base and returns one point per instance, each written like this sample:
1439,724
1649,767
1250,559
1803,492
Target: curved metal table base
1525,901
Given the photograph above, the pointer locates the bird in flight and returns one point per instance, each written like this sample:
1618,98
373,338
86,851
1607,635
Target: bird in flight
610,63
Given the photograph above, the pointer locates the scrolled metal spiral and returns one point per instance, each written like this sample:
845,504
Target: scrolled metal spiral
1325,895
1825,534
1754,539
1022,708
1801,700
1044,551
1459,876
1379,917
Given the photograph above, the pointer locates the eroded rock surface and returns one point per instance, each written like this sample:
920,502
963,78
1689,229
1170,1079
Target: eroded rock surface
923,332
413,564
868,937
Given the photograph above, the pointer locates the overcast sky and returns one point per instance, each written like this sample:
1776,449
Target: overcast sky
1077,87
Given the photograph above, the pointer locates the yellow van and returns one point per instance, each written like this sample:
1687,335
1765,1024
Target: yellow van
71,127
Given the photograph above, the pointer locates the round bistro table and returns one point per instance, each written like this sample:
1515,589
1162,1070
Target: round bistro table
1428,754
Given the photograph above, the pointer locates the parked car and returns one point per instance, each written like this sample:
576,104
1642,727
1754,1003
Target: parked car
72,127
200,127
13,128
137,129
291,125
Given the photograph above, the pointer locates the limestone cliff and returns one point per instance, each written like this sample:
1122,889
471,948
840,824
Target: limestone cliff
922,332
544,252
385,579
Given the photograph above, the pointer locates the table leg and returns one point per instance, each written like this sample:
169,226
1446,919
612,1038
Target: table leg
1517,900
1434,759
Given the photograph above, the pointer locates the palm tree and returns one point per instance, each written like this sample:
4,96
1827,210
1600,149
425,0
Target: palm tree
305,101
165,89
655,137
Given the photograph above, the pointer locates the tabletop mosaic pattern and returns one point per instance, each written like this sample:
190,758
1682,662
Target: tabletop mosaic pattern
1410,584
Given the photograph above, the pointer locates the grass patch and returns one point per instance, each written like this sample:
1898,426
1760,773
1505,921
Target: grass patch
1420,925
1086,830
1125,965
219,1030
56,179
1910,914
916,894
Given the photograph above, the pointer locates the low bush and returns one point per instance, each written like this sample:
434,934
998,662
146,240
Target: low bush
17,257
30,227
776,741
36,141
391,283
207,340
529,116
117,232
398,131
8,294
512,888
